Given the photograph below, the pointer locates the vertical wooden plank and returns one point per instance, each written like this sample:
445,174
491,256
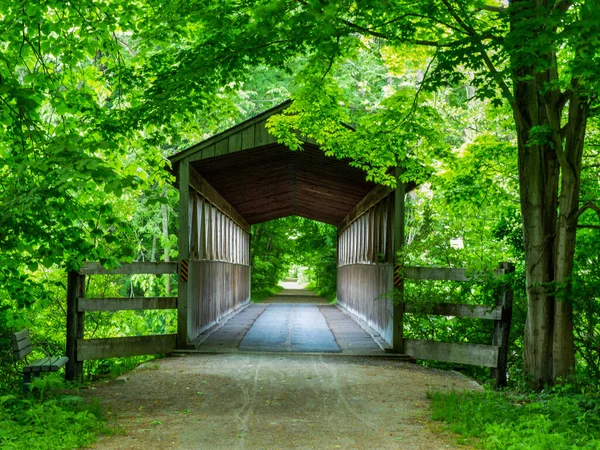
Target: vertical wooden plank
208,152
230,241
184,252
398,239
214,233
222,147
235,142
194,230
372,236
248,137
501,336
202,231
75,321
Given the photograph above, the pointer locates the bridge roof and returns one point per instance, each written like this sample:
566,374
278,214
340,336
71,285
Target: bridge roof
264,180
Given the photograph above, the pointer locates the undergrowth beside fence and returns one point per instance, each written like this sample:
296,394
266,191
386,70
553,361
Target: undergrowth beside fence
49,418
556,420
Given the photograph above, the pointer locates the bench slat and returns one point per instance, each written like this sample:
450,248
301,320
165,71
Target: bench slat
20,335
19,345
49,364
36,365
22,353
59,362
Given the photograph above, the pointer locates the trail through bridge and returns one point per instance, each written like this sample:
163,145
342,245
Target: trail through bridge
242,177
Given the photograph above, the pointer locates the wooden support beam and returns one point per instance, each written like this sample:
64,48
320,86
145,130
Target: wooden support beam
456,310
125,346
155,268
371,199
75,322
501,335
203,187
398,247
126,304
184,253
474,354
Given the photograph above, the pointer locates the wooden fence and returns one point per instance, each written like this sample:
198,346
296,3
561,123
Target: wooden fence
494,356
80,349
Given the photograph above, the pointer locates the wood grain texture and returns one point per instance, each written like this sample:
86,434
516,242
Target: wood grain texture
129,303
88,349
460,353
456,310
257,122
362,290
217,289
270,181
203,187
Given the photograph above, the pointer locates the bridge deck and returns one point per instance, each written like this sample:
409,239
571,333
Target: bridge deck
291,327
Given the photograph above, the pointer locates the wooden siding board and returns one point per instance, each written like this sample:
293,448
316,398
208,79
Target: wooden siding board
456,310
130,303
88,349
460,353
219,288
362,290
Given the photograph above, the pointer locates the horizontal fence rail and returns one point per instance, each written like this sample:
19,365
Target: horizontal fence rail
80,349
494,356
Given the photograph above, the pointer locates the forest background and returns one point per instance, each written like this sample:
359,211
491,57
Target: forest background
94,96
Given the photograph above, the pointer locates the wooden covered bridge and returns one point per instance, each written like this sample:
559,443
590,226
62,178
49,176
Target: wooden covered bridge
242,177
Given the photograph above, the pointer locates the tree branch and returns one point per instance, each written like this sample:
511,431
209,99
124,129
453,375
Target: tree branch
496,9
588,205
372,32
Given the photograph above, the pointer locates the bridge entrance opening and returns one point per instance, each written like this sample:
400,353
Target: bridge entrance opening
243,178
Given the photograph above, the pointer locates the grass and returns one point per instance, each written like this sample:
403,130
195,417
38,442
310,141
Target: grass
48,419
507,421
263,294
327,294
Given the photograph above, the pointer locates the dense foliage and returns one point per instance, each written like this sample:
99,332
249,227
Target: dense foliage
47,419
94,96
281,245
498,421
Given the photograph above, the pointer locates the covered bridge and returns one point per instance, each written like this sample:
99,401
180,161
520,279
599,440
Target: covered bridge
242,177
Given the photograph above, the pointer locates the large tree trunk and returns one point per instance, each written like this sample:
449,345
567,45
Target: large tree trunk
538,181
548,152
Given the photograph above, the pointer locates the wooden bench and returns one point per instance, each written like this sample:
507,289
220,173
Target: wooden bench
21,345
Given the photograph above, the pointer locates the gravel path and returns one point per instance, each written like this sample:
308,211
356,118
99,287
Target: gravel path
270,401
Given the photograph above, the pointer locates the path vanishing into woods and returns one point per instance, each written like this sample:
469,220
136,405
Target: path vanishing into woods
269,400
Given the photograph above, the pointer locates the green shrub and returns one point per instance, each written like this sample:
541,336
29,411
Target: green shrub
47,420
504,421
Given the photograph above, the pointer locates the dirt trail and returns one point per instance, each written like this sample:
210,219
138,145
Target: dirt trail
267,401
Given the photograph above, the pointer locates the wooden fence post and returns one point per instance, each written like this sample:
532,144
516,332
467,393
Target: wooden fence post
501,335
75,321
184,254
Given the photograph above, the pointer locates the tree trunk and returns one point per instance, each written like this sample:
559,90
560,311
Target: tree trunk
538,182
563,346
548,154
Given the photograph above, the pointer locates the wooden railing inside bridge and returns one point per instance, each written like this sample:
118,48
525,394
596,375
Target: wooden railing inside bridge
80,349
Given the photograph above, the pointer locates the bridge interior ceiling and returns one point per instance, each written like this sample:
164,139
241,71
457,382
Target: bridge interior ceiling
271,181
